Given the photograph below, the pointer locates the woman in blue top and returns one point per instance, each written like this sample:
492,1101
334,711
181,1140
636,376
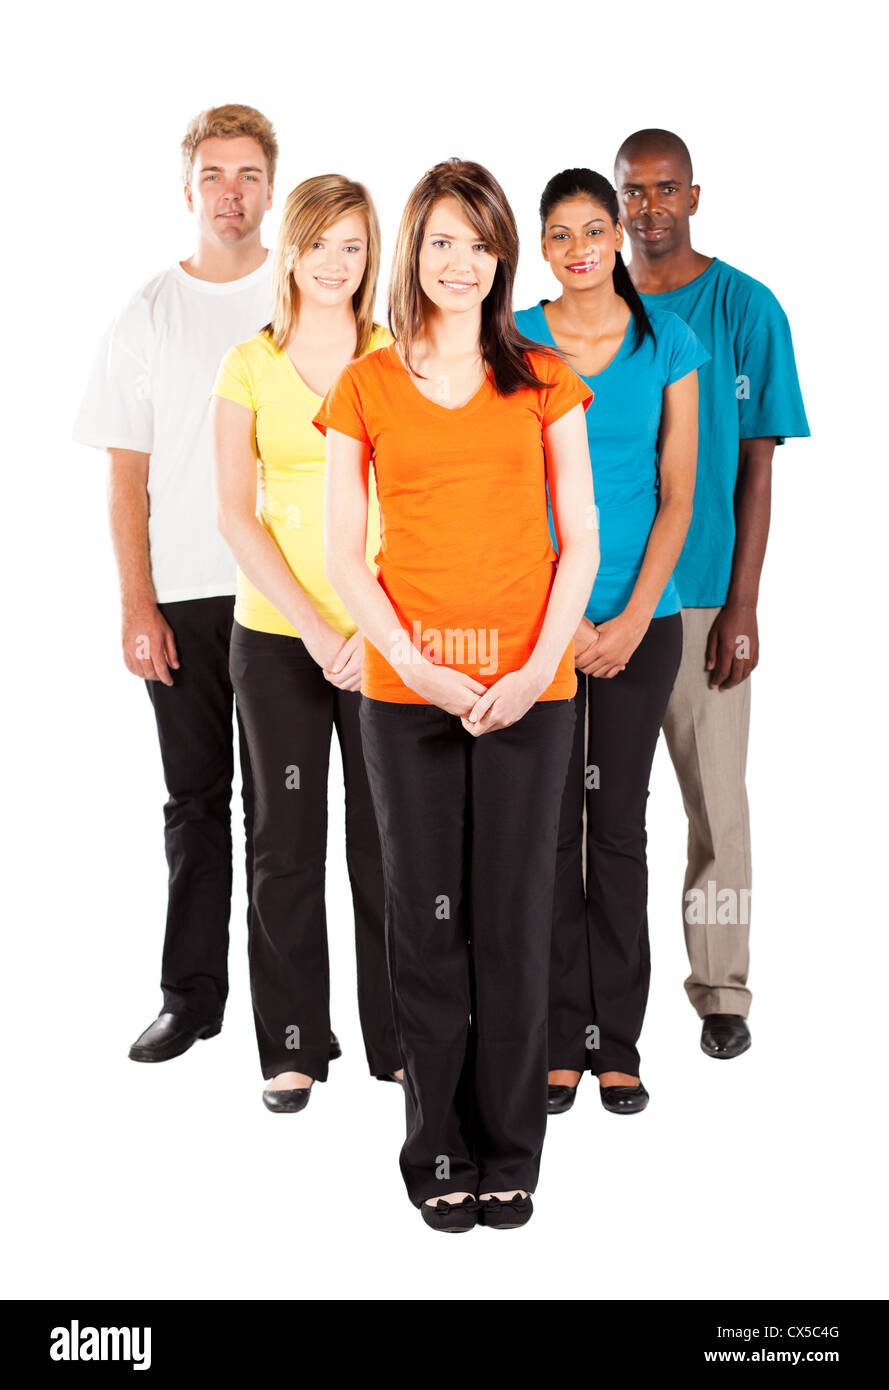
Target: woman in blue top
642,430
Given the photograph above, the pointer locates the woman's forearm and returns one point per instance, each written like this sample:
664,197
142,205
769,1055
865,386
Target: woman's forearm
664,547
569,596
260,559
368,605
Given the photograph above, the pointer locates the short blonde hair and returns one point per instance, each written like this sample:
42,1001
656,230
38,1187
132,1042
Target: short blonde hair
228,122
312,207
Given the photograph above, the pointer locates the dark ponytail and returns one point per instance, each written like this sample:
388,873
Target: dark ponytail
574,183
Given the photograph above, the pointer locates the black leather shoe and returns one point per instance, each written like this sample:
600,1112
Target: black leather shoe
169,1036
451,1216
503,1216
624,1100
287,1102
559,1099
335,1049
725,1035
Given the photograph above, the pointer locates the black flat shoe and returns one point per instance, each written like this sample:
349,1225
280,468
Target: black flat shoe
624,1100
559,1099
335,1049
287,1102
503,1216
169,1036
451,1216
725,1035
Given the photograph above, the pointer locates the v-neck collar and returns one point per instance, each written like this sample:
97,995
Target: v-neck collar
433,406
618,356
296,376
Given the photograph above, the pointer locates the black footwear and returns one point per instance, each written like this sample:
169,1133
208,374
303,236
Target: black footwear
451,1216
624,1100
287,1102
169,1036
725,1035
502,1216
559,1099
335,1049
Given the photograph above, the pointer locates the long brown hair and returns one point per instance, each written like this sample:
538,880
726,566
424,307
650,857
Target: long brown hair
312,207
487,211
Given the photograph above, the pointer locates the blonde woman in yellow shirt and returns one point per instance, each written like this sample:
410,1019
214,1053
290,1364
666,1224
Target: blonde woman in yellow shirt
296,655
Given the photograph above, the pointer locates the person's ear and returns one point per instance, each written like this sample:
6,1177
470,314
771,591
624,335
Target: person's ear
543,248
189,199
694,194
619,236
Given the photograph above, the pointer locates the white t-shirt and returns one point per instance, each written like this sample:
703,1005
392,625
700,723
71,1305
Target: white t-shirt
148,391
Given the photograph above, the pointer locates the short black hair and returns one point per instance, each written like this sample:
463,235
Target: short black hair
654,141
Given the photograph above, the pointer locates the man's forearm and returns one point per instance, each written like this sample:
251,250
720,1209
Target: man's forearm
753,504
128,515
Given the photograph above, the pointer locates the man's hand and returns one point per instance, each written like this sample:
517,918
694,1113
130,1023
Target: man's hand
149,647
732,646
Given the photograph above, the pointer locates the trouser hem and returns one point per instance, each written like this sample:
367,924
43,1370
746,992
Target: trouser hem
719,1001
315,1068
628,1064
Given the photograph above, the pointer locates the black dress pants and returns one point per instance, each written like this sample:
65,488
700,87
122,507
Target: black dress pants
289,710
600,964
469,828
194,725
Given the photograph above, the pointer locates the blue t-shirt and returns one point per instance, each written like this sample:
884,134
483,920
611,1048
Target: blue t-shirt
622,426
750,390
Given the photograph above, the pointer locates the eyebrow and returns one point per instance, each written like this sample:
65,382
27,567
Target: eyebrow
450,236
584,224
661,183
242,169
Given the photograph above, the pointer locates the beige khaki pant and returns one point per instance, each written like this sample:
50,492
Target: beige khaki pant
706,732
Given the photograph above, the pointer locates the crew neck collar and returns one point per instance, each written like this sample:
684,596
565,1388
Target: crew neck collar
665,294
244,282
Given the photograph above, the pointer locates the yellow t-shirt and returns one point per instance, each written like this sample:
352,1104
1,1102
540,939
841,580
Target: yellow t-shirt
290,464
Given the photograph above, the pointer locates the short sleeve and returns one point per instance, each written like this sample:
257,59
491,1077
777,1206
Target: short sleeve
565,390
116,410
685,351
770,403
342,409
234,380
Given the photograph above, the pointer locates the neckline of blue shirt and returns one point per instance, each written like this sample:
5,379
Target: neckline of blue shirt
681,289
618,356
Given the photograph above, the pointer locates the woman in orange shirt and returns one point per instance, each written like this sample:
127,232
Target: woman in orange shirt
467,713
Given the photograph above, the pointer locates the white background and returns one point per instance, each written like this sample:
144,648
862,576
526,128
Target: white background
759,1179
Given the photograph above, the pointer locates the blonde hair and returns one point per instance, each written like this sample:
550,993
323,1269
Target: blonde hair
228,122
310,209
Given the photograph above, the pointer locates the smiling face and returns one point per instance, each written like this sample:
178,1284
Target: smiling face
330,270
456,268
657,198
229,191
580,242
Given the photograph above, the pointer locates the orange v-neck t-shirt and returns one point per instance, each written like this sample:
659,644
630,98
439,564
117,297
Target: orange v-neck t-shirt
465,555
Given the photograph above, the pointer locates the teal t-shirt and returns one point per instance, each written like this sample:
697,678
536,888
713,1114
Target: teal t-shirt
748,390
622,427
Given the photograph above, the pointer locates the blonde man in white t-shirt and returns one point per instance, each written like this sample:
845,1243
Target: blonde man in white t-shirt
146,404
